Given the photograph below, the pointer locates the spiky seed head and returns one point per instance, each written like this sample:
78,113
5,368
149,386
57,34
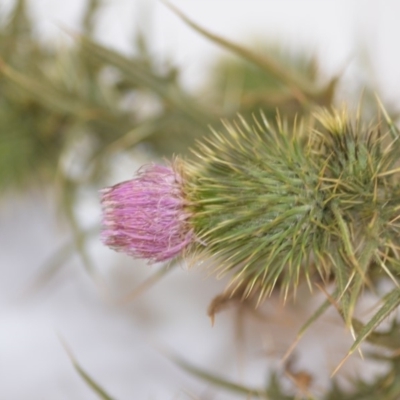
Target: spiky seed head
253,192
145,217
278,205
275,205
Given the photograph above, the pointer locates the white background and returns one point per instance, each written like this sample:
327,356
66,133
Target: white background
118,345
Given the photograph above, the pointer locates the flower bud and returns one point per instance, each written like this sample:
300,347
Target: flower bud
145,217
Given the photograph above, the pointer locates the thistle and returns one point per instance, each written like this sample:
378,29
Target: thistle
276,206
145,217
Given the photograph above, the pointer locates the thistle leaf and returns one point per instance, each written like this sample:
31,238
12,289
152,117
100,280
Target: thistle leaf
390,302
299,88
85,376
389,339
313,318
91,382
215,379
49,97
139,75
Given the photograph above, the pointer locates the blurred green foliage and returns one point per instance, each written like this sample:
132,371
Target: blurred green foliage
81,101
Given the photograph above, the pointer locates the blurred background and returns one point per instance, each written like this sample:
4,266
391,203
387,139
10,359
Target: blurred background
89,91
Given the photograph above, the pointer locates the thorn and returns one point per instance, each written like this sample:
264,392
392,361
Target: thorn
290,349
340,365
212,319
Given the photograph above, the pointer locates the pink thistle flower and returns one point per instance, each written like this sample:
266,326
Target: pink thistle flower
145,217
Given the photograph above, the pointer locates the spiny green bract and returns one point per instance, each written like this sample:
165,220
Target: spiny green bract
279,205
